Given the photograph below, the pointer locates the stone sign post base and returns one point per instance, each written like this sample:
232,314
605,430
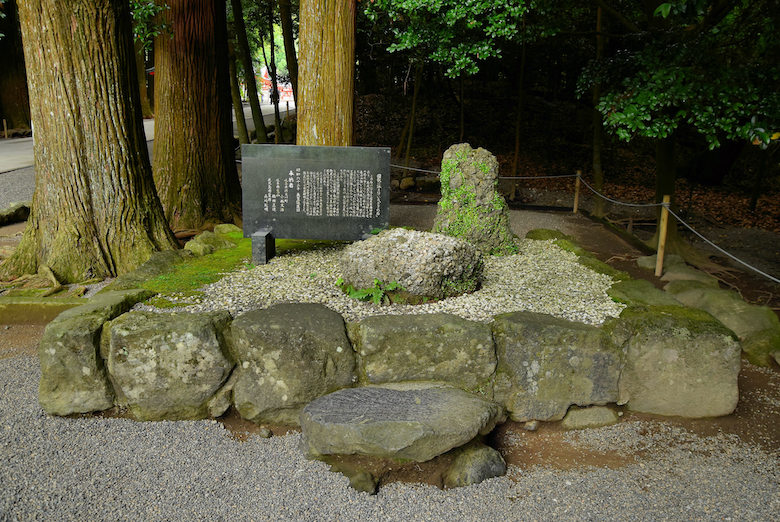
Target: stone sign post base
263,246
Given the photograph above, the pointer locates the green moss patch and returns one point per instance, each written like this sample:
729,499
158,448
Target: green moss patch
194,272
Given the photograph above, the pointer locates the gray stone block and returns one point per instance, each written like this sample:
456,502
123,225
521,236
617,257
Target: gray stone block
166,366
288,355
414,421
546,364
679,361
431,347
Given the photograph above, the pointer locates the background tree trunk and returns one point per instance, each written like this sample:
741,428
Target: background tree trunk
285,14
194,166
413,113
235,95
598,131
665,180
94,212
326,72
140,67
14,100
249,71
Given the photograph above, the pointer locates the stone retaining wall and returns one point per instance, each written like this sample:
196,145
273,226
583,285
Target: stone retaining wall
270,363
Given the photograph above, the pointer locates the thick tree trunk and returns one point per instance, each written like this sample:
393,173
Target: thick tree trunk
285,14
94,212
249,72
140,69
598,131
194,165
14,100
326,72
238,105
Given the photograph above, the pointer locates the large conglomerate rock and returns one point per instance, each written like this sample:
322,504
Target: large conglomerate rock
424,264
73,376
166,366
430,347
546,364
411,421
471,207
679,361
288,355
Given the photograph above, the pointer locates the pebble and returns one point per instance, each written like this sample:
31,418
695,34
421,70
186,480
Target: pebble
91,468
542,278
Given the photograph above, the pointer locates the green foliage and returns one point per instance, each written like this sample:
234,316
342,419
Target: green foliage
146,22
380,293
711,70
455,33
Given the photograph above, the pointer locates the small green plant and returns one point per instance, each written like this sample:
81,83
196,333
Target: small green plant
377,294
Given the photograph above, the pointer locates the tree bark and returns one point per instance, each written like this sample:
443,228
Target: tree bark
519,119
285,14
194,166
94,212
140,66
249,72
598,131
14,100
326,72
413,113
665,180
271,66
235,95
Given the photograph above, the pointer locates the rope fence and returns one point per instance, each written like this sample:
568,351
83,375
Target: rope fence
663,223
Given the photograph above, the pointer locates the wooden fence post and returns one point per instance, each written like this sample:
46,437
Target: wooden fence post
577,192
662,226
5,128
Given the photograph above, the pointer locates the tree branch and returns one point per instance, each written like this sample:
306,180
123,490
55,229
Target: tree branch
631,26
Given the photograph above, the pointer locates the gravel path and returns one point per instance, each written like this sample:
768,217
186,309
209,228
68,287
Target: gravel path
116,469
542,278
16,185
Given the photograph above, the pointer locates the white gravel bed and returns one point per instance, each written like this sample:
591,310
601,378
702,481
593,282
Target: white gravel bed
541,278
115,469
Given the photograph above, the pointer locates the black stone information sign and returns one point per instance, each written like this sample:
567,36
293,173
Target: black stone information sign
312,193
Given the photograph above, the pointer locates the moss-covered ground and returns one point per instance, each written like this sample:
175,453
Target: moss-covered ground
178,287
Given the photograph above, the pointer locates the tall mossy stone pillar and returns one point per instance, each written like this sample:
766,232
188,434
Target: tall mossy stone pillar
471,207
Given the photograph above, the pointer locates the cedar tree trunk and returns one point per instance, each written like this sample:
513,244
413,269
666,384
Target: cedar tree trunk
285,14
14,101
194,165
249,72
235,95
326,73
140,69
94,211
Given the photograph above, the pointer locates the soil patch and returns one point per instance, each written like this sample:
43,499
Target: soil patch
20,339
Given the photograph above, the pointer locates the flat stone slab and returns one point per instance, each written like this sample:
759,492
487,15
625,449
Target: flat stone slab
411,421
